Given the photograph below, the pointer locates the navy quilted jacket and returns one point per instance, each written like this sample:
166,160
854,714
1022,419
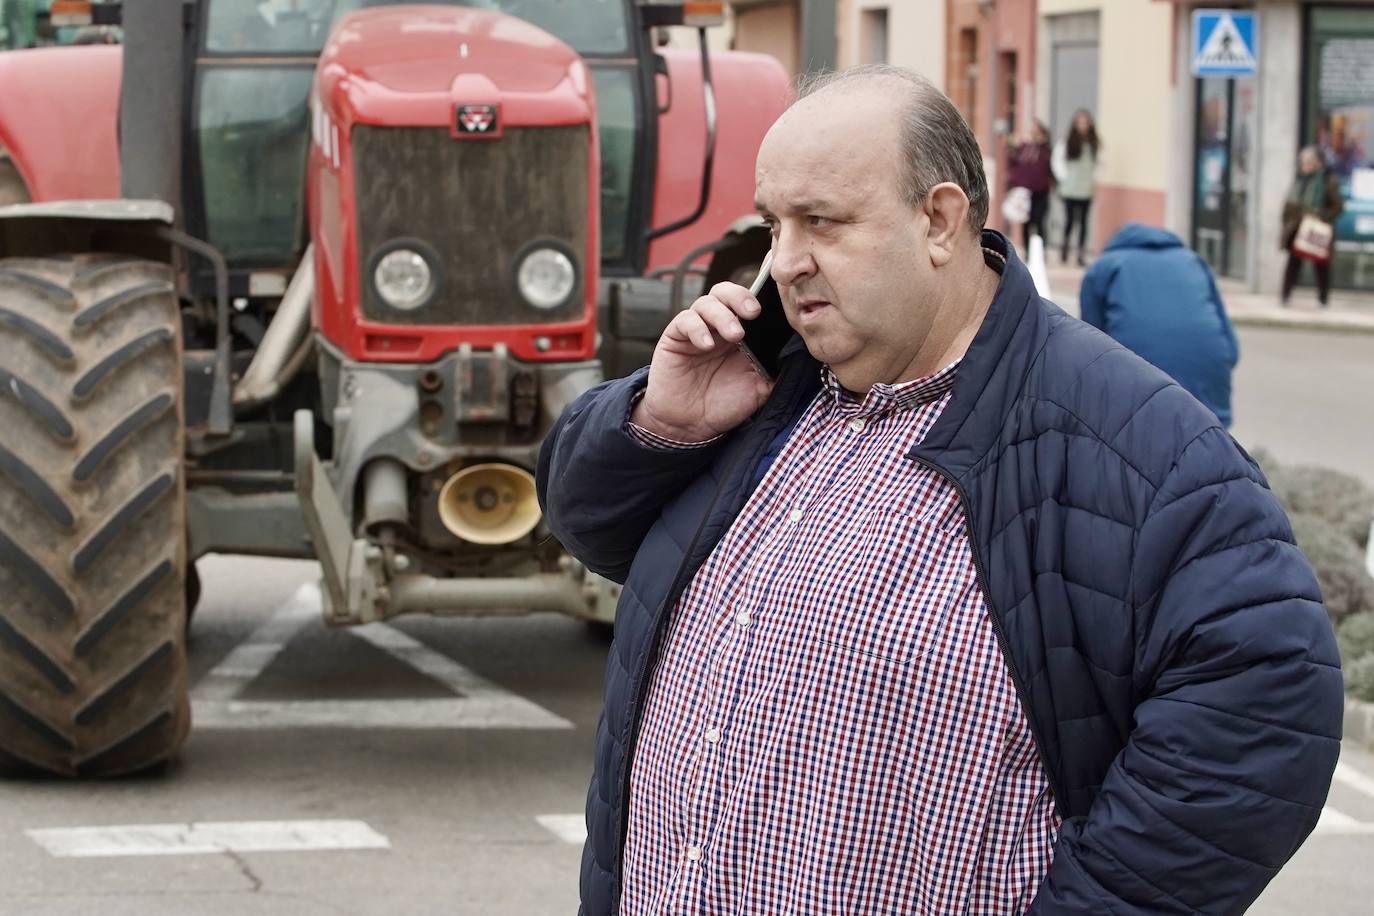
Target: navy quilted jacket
1167,640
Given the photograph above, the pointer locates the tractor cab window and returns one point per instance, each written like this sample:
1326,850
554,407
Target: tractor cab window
20,27
253,130
303,26
617,115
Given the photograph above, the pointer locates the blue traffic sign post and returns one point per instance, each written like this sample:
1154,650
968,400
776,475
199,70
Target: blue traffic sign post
1225,43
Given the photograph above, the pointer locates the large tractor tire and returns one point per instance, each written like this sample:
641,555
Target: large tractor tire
92,517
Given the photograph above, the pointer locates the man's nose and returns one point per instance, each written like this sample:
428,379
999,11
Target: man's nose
792,260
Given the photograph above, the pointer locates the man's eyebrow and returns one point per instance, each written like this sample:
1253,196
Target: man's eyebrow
801,206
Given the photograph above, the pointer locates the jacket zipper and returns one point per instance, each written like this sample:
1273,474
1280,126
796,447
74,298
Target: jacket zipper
1021,693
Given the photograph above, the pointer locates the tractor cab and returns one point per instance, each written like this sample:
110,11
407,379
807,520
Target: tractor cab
250,120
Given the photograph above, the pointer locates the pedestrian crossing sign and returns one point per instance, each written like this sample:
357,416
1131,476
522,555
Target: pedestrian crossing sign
1224,43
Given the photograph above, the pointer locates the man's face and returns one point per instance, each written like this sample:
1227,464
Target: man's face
1309,162
849,253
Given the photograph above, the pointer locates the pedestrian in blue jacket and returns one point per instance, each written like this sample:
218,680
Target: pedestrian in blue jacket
968,610
1156,297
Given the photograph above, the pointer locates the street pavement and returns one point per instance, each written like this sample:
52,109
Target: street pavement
434,766
1307,397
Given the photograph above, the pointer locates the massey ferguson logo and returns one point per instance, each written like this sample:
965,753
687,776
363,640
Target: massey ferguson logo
476,119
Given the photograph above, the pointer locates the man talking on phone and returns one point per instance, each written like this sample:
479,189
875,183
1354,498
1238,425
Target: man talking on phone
968,611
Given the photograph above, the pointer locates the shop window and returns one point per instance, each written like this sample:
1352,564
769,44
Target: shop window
1338,116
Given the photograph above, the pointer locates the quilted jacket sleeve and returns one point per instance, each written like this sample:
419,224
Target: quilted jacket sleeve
600,488
1237,727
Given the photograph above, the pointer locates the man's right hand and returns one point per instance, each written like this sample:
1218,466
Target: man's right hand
700,384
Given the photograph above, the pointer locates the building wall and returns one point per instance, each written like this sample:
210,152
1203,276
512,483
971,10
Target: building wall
1134,108
915,29
769,28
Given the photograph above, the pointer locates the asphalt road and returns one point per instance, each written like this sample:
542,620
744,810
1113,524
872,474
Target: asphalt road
439,766
1307,397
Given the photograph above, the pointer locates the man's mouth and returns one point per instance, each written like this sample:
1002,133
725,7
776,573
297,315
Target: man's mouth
810,309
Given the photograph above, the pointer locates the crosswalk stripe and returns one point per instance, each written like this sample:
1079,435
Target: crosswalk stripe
478,703
207,838
1335,823
570,828
1349,776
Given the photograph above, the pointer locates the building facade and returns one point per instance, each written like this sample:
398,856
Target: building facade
1313,84
1211,158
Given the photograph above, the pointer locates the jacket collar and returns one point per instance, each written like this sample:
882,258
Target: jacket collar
992,371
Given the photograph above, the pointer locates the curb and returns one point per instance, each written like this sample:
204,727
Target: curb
1359,722
1359,324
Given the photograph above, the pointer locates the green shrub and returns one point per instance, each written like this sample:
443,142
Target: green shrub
1339,563
1341,499
1359,678
1356,636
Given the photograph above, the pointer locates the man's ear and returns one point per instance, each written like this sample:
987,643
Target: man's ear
946,205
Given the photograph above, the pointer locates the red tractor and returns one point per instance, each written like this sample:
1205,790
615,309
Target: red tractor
312,278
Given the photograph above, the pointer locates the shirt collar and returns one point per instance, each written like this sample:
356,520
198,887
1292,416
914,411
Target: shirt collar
884,398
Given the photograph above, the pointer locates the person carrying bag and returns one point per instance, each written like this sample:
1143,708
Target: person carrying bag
1309,216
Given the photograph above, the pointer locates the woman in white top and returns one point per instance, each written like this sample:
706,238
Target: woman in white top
1075,166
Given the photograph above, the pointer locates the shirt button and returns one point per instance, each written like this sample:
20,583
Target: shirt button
742,618
712,735
794,516
693,853
857,424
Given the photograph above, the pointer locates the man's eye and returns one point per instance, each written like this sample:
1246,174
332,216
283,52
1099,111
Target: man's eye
815,220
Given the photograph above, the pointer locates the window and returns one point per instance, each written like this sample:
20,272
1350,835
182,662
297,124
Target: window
965,86
301,27
616,113
252,127
1339,118
873,36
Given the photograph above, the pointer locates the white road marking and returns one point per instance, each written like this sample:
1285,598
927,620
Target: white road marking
207,838
570,828
1334,823
1349,776
486,703
418,714
1369,551
252,656
480,704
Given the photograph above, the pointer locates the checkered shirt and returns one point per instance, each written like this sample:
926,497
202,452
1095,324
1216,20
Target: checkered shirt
831,727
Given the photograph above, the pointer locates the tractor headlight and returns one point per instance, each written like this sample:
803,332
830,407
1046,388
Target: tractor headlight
545,275
405,277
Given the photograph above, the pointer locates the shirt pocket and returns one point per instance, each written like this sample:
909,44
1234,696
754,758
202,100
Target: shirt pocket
894,584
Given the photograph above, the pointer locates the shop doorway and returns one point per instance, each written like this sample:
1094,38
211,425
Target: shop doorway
1223,156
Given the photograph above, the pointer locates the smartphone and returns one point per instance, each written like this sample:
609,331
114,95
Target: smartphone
765,336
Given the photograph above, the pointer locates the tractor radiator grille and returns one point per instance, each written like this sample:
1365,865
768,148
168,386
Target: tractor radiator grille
477,203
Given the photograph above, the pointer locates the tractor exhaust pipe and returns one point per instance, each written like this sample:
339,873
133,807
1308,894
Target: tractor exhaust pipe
490,504
282,344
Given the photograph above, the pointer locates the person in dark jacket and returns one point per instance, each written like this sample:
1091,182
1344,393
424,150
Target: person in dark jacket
1156,297
1028,166
1315,192
969,610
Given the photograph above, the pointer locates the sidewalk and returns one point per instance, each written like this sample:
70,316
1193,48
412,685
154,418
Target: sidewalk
1348,311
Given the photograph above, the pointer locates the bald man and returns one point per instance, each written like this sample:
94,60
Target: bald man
969,611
